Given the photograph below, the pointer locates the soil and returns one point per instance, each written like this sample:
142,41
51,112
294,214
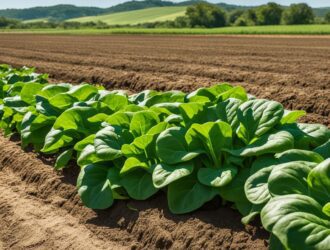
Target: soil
293,70
40,209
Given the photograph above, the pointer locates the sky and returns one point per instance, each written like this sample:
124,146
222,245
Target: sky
107,3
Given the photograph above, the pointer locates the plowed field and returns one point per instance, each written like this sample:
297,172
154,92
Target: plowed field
292,70
39,209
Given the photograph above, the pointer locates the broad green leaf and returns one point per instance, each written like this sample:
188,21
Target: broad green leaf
324,150
172,107
16,103
34,129
319,182
133,163
157,129
290,178
83,92
237,92
208,94
187,194
63,159
174,119
227,111
267,144
141,96
164,174
76,119
89,140
234,191
217,177
88,156
138,184
142,122
297,221
42,121
308,136
51,90
56,139
194,113
141,145
100,117
62,101
172,147
262,162
298,155
109,140
275,243
256,186
114,101
326,209
166,97
215,136
44,107
121,119
257,117
292,116
29,91
95,185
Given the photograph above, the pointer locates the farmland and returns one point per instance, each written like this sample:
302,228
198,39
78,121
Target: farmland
294,71
137,17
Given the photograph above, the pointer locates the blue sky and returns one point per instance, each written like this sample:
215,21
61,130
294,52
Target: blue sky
107,3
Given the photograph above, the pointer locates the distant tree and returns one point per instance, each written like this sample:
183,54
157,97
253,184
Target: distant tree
327,17
249,18
269,14
206,15
8,22
298,14
182,22
234,15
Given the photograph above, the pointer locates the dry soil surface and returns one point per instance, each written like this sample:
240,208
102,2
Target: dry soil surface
294,70
40,209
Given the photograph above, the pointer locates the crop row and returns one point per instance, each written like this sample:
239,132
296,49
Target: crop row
216,141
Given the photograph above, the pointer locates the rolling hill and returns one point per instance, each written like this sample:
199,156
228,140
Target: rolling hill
137,16
58,12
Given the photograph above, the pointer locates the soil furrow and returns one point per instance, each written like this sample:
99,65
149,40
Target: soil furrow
51,200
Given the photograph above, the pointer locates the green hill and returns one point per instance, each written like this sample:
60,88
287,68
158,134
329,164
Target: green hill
59,12
137,16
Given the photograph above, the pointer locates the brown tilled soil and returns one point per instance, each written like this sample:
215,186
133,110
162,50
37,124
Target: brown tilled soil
39,209
292,70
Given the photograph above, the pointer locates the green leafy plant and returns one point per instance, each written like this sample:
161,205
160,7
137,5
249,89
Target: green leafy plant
214,141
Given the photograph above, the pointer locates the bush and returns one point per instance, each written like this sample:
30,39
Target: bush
298,14
206,15
249,18
7,22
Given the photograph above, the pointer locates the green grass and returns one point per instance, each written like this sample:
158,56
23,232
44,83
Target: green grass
137,16
258,30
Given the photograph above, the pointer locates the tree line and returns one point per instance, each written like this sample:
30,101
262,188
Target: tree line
199,15
210,16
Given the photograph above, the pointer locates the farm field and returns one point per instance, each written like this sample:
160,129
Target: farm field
286,69
44,210
160,14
